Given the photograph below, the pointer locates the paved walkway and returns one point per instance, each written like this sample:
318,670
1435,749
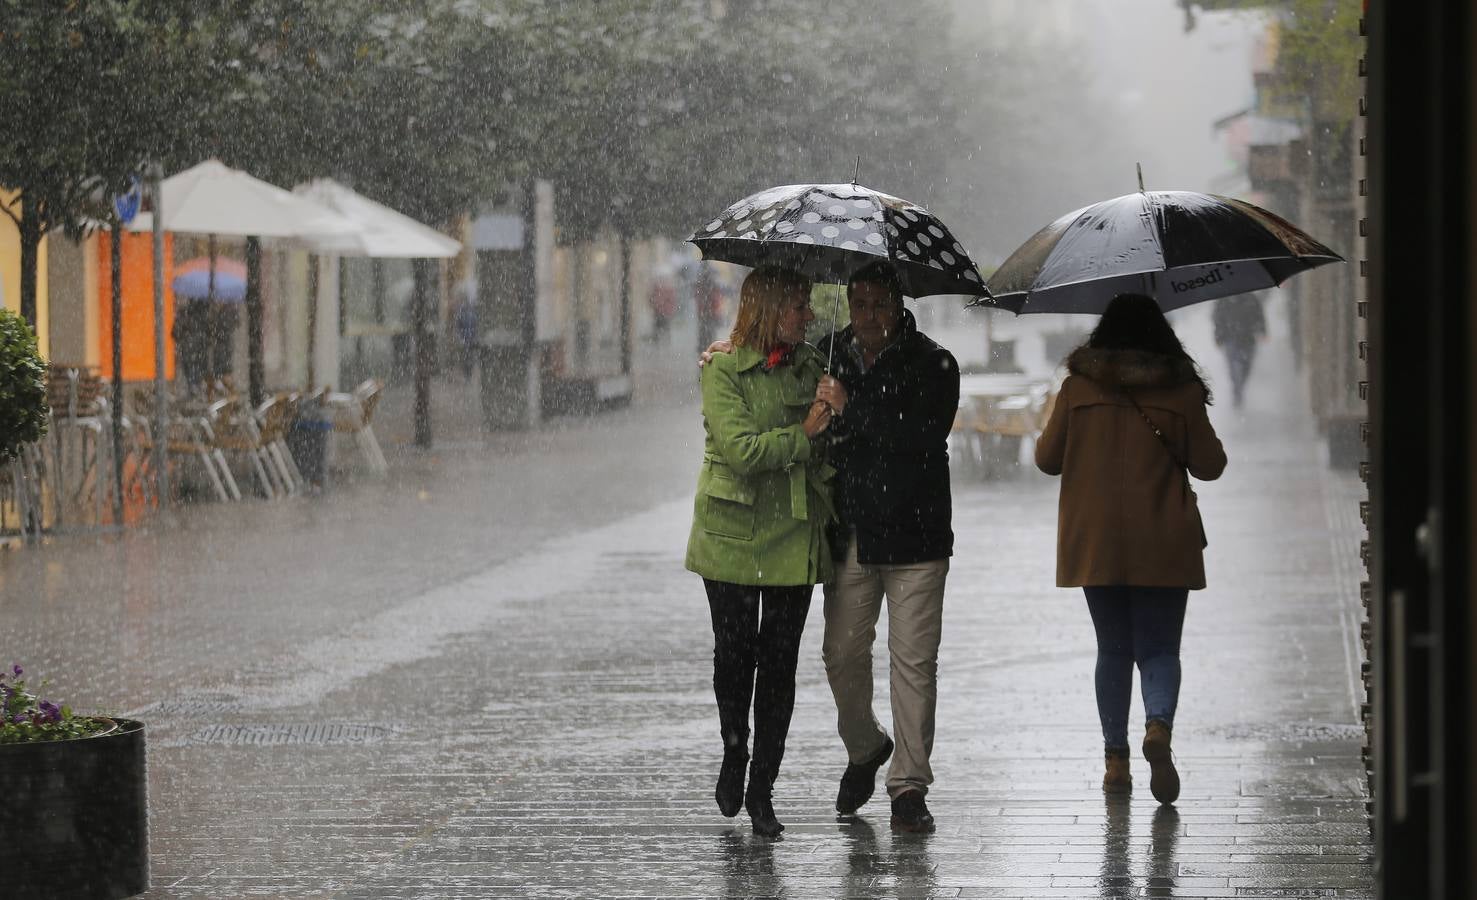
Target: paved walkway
490,677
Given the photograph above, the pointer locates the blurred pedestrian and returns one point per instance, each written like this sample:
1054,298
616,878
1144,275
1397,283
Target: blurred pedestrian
1128,429
466,325
1239,323
663,301
707,298
192,341
758,532
221,324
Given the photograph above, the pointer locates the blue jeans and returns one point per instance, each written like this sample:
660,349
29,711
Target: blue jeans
1136,625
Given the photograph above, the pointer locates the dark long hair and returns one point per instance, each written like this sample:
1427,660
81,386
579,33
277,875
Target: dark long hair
1135,322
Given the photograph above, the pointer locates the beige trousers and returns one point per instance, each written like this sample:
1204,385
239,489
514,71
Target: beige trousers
915,610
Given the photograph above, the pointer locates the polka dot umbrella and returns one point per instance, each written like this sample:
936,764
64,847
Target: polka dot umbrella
828,231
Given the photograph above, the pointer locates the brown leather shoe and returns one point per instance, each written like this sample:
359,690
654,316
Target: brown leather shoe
1164,781
1116,777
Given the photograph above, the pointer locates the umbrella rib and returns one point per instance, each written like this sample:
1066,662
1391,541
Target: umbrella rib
1155,220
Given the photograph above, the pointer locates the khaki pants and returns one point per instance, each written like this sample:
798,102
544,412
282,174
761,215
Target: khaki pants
915,609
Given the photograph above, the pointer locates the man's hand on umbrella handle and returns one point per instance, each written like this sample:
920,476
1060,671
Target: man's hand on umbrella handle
817,420
715,347
832,393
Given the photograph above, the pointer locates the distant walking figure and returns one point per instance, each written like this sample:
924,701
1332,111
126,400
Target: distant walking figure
758,532
1239,323
1128,429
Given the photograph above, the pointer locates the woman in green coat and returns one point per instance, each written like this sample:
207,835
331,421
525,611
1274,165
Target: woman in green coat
758,529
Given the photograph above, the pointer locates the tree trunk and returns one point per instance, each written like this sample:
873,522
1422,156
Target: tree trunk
379,292
343,296
424,331
30,250
255,374
625,303
115,260
312,322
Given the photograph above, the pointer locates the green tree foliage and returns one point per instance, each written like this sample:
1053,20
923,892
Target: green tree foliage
1318,56
90,89
22,386
648,115
1318,51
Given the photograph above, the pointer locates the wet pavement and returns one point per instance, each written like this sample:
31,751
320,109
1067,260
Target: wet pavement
490,676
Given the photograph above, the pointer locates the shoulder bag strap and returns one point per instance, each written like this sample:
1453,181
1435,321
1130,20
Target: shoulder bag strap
1160,435
1184,469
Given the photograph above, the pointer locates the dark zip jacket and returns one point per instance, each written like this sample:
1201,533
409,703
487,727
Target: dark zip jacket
891,449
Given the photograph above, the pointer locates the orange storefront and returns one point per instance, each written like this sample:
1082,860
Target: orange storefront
137,253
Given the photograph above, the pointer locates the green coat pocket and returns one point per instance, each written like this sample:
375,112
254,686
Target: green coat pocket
729,507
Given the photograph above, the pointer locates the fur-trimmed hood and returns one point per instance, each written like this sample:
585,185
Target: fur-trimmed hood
1132,368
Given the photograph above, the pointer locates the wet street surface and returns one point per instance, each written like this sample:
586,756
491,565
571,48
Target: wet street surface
490,677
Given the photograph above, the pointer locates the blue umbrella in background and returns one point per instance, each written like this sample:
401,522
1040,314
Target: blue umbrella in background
192,280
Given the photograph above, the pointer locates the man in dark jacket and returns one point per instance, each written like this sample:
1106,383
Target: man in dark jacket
894,539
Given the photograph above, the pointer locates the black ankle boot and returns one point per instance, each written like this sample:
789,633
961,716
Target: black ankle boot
730,791
761,812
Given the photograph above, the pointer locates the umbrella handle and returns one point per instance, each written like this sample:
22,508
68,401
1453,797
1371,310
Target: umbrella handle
831,347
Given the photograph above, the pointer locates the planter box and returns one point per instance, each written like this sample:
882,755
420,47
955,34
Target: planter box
74,817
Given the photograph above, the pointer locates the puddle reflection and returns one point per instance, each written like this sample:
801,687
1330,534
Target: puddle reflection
748,865
1116,876
863,857
902,867
1164,833
913,866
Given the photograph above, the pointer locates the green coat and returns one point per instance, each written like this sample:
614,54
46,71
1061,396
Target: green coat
763,496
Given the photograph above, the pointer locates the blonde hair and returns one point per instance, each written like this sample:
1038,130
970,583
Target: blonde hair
761,302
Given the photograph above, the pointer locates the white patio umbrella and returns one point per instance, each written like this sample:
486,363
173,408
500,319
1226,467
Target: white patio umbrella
214,199
384,232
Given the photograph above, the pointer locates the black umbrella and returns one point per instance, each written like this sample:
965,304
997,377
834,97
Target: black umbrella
1179,247
828,231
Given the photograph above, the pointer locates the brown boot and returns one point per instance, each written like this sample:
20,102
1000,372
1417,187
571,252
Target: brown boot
1164,781
1116,777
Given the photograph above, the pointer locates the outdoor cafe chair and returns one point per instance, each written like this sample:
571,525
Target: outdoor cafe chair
353,414
234,429
21,480
189,436
273,417
78,445
996,418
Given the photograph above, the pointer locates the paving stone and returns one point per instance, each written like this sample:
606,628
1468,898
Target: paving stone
498,678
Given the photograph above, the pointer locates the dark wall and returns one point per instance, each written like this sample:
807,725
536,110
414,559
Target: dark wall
1420,182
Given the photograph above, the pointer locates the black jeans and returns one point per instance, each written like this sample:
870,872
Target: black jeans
756,629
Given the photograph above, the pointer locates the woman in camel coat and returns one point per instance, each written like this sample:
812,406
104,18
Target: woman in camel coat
1128,429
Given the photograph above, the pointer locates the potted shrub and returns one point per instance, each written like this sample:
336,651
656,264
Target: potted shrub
22,386
73,799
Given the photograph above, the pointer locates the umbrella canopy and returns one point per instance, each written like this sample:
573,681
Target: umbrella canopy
213,198
192,280
1179,247
828,231
385,233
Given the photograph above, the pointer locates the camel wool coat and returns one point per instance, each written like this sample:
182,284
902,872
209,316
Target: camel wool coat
1126,515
